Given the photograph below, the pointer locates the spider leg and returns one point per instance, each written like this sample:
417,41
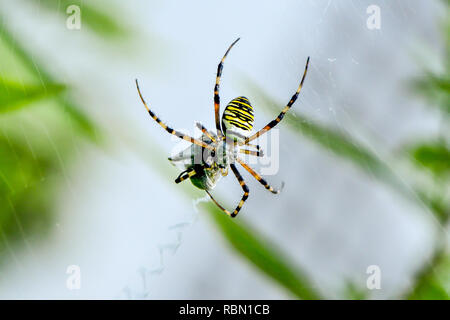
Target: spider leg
259,178
216,91
170,130
273,123
244,196
186,174
205,131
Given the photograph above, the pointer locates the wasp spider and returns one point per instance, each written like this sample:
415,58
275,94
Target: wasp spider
209,157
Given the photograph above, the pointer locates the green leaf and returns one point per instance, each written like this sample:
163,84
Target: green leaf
81,120
353,291
26,192
435,89
14,95
433,282
261,252
433,156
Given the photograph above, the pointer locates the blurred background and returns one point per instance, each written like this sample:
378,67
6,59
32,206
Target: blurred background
364,154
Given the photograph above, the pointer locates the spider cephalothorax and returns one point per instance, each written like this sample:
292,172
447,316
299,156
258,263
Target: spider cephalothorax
210,156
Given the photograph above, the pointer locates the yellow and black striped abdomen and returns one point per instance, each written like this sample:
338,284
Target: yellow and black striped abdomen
238,115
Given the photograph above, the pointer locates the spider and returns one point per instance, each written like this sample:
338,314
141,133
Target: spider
210,156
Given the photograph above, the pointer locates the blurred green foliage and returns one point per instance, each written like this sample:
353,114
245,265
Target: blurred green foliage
20,65
432,281
262,253
14,95
330,139
24,195
349,149
40,123
433,156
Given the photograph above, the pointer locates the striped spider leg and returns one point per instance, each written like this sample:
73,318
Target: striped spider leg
170,130
259,178
273,123
244,196
216,92
219,150
246,141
